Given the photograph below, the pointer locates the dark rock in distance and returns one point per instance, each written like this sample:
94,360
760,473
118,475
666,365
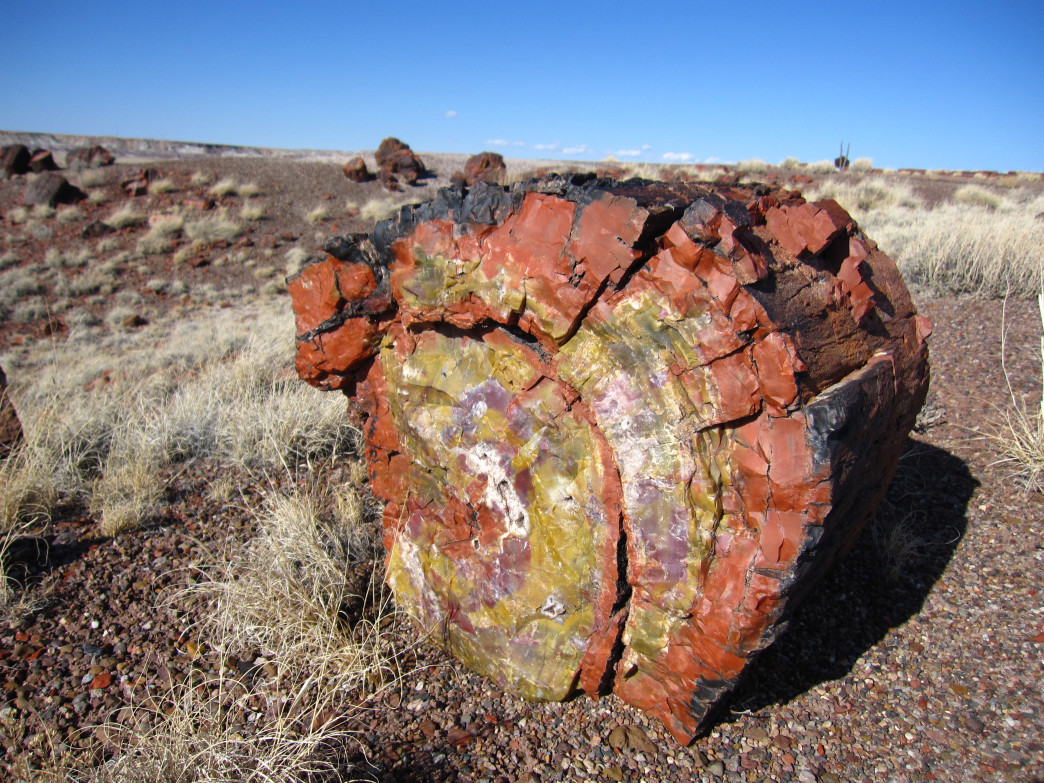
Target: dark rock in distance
52,188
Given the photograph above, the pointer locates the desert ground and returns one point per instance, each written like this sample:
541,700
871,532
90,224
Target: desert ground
193,573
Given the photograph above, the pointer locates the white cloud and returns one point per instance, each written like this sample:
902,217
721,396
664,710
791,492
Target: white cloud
646,147
518,144
712,159
498,142
451,113
627,153
576,150
546,146
678,157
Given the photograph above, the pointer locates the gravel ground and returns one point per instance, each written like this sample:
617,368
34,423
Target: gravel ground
917,658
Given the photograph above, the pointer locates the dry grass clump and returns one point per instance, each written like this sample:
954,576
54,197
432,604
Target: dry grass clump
862,164
216,228
250,190
790,163
292,594
199,179
97,197
8,259
220,387
252,211
295,258
91,178
955,247
821,167
43,211
224,187
161,186
163,229
319,215
69,215
752,166
18,215
1019,429
977,196
126,215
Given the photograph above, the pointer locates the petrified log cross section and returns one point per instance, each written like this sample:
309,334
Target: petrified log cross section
616,426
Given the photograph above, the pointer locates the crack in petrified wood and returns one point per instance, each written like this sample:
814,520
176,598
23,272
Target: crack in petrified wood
616,425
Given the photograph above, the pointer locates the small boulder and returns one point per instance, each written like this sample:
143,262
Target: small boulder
42,160
51,188
485,167
10,428
14,159
89,157
398,164
356,170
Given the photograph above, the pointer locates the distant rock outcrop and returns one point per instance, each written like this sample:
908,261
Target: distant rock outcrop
356,170
14,159
484,167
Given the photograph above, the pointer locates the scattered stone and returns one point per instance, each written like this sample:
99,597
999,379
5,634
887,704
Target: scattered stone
138,183
716,768
42,160
89,157
631,738
356,170
773,410
14,159
51,188
134,321
10,427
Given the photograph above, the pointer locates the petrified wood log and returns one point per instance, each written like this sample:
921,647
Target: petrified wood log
618,427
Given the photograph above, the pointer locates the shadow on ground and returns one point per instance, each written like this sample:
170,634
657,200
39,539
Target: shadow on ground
881,584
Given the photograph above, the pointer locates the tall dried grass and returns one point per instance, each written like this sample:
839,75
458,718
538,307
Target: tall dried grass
972,244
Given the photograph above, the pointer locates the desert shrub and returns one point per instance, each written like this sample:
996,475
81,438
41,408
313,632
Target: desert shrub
161,186
752,166
200,179
862,164
250,190
8,259
97,197
212,229
977,196
224,187
252,211
295,258
1017,430
790,163
319,215
821,167
43,211
218,387
18,215
91,178
126,215
69,215
18,283
162,231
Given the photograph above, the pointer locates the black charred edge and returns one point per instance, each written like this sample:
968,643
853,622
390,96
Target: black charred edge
488,204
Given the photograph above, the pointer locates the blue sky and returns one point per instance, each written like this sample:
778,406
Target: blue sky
912,84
